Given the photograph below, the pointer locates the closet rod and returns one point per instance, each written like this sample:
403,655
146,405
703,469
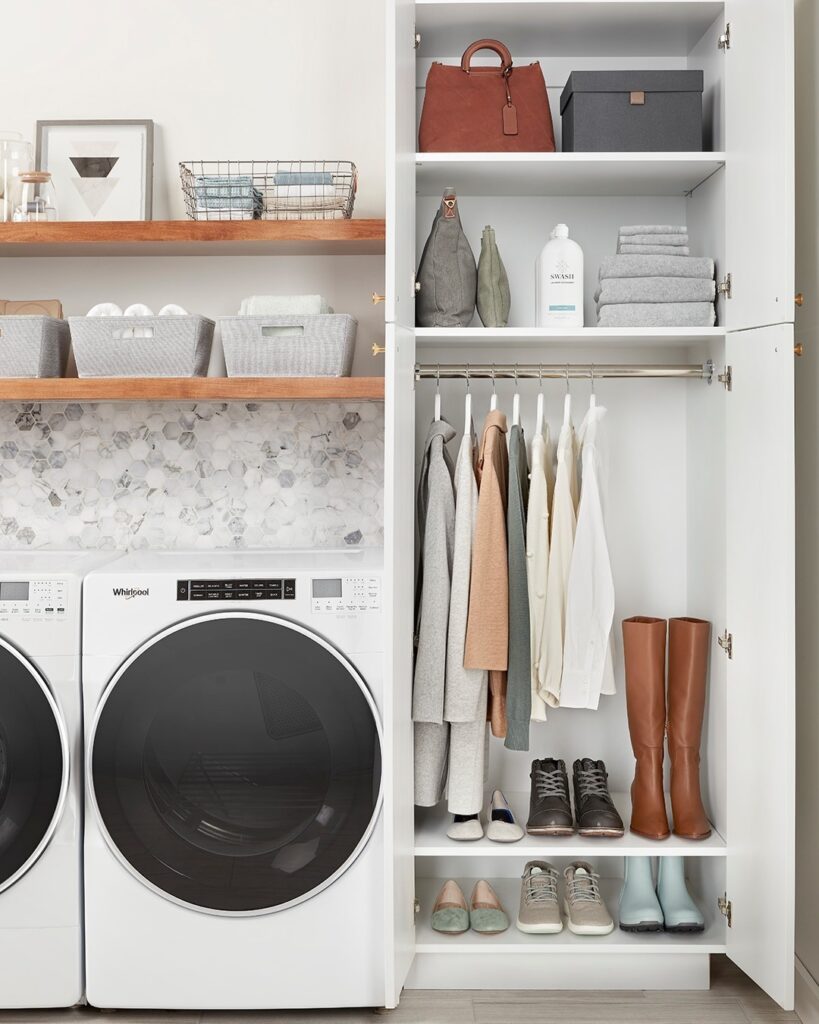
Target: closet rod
560,371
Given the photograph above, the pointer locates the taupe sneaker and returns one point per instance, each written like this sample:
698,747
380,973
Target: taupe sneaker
585,910
539,912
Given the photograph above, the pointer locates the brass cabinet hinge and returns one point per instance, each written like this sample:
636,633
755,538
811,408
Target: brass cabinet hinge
726,378
725,908
724,41
725,286
726,642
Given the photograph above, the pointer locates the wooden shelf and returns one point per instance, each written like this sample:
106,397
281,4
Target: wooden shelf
364,237
193,389
565,174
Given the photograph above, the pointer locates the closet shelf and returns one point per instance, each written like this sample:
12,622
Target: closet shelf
564,174
193,389
712,940
427,338
431,839
356,237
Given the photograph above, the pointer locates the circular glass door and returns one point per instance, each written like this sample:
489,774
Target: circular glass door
33,765
235,763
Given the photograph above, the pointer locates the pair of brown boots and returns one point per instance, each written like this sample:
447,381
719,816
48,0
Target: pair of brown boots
644,645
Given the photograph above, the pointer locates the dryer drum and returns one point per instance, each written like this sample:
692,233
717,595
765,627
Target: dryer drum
236,763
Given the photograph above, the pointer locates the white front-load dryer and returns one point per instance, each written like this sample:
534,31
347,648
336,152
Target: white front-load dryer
41,949
233,840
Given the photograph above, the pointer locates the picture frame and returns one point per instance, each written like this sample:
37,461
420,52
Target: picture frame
102,170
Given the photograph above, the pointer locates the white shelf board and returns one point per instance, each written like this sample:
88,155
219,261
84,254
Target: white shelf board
431,839
427,338
587,28
712,940
564,174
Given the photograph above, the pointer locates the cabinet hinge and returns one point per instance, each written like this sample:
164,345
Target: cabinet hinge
416,38
724,41
416,906
725,908
726,378
726,642
724,287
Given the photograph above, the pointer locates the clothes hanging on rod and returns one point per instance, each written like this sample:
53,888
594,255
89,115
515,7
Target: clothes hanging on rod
541,488
519,677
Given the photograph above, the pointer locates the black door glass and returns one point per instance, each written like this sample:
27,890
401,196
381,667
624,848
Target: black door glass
236,764
31,764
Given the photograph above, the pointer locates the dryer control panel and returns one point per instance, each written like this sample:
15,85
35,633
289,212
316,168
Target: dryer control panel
236,590
33,600
346,594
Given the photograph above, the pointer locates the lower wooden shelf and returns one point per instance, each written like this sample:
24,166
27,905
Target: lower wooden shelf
193,389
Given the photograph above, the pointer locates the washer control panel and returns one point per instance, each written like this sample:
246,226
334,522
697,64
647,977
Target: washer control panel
33,600
236,590
346,594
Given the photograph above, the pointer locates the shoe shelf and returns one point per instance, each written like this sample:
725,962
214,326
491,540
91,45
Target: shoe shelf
431,839
551,337
712,940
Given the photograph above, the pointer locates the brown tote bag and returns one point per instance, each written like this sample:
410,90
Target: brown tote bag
486,109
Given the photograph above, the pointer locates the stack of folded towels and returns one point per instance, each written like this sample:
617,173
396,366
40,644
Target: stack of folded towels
654,282
227,197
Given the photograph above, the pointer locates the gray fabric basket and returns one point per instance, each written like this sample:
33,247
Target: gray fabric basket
289,346
33,346
141,346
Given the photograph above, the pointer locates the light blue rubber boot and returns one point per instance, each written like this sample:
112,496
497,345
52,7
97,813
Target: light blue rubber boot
640,910
681,913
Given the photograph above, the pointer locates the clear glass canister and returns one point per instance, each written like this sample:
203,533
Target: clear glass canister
38,201
15,157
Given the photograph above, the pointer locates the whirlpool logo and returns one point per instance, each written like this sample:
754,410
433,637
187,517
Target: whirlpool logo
129,593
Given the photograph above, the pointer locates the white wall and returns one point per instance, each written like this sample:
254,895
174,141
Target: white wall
807,483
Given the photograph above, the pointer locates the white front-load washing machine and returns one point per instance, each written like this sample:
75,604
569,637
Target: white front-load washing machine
41,949
233,839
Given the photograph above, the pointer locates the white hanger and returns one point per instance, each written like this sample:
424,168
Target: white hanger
437,412
539,414
592,396
567,402
516,402
467,406
493,401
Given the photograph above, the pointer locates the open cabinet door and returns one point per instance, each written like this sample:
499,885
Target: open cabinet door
759,146
760,559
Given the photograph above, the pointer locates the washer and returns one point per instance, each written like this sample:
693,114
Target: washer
41,962
234,841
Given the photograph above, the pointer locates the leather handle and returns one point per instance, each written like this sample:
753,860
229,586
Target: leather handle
487,44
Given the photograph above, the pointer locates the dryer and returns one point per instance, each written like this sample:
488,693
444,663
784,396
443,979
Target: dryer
41,962
233,841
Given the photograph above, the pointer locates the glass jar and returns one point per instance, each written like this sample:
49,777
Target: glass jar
15,157
38,200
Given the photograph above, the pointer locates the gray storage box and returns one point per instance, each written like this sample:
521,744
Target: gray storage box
288,346
141,346
33,346
632,111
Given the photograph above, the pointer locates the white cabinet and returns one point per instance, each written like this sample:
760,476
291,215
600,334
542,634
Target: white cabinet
700,508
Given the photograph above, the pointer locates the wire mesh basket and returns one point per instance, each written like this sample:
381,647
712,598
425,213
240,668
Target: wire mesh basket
268,189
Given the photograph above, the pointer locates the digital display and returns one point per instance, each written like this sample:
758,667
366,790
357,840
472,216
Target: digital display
326,588
14,591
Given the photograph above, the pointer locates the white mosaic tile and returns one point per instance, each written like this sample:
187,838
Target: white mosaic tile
159,475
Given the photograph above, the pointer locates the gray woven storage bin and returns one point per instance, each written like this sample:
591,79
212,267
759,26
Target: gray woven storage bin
321,345
141,346
33,346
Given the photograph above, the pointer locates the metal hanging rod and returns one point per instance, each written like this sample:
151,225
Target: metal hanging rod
562,371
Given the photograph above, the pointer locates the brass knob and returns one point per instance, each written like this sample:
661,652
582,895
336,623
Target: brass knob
378,350
377,298
798,348
799,299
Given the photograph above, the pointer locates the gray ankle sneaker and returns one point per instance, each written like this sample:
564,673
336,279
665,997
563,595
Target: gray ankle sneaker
539,912
585,910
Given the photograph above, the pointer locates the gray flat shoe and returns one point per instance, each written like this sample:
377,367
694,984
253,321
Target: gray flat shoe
450,915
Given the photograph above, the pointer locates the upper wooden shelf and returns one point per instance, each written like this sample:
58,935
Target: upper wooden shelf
364,237
193,389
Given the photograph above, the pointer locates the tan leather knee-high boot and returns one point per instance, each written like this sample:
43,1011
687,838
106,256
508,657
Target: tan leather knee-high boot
644,649
687,671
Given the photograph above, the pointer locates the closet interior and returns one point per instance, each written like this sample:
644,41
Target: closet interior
699,439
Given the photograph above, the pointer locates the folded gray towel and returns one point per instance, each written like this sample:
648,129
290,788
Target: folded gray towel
658,314
654,229
652,240
657,266
653,250
618,290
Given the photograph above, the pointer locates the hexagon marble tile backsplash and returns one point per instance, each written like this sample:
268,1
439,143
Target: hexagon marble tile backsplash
162,475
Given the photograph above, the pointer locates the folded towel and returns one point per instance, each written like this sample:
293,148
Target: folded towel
616,291
654,229
658,314
653,250
227,192
303,178
657,266
284,305
304,192
652,240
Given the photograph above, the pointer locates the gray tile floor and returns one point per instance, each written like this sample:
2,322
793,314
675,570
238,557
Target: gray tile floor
732,999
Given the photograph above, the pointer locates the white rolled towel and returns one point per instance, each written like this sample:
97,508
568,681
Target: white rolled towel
284,305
